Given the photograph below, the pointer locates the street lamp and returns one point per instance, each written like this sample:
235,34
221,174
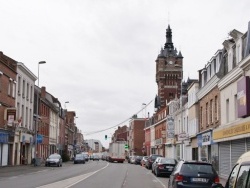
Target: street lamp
65,104
36,127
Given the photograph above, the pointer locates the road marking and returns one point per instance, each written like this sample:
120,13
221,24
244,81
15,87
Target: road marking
71,181
156,179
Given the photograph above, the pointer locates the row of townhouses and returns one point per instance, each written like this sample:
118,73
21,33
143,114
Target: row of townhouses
33,123
205,119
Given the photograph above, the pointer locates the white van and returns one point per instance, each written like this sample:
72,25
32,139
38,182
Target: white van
240,174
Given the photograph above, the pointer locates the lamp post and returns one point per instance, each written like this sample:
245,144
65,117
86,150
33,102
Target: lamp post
36,127
65,104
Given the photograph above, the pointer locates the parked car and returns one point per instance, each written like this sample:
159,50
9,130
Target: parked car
129,159
138,160
132,160
164,166
79,158
86,156
54,160
151,159
240,174
144,159
195,174
96,158
91,157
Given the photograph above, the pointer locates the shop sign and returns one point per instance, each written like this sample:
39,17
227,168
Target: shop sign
199,140
206,138
182,136
170,127
4,138
243,97
242,128
10,116
158,141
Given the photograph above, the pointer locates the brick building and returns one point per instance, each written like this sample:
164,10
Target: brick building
8,73
136,136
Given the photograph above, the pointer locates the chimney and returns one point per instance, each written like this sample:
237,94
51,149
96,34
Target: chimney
43,92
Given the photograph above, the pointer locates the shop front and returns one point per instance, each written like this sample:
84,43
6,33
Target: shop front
207,149
233,141
4,138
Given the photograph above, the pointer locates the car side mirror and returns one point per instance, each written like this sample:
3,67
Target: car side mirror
217,185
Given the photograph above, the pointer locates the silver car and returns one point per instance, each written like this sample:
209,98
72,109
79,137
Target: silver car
54,160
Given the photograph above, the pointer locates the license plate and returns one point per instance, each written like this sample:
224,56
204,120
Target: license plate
203,180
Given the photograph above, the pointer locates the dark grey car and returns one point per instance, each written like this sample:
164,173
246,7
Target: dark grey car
193,174
54,160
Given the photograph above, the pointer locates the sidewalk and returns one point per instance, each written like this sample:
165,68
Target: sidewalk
223,181
7,171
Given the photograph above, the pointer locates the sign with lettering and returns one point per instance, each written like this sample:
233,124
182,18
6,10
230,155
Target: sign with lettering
182,136
243,98
235,130
206,138
170,127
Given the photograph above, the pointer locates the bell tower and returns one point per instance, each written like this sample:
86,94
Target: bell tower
169,72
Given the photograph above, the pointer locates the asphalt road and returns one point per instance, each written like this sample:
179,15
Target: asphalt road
93,174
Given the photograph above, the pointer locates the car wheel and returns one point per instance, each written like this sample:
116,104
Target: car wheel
168,183
157,173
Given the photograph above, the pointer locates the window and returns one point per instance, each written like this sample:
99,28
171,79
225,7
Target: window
19,85
201,117
215,66
22,114
30,119
227,110
234,56
18,110
232,177
211,111
23,92
243,176
235,107
31,94
14,89
207,115
26,117
216,107
10,87
27,92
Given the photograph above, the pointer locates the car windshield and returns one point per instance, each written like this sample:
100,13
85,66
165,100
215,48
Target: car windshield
155,156
166,160
79,156
197,168
54,157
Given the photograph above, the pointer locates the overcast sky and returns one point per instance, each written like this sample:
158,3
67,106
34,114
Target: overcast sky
101,54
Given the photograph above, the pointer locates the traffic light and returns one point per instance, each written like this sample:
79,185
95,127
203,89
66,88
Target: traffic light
126,146
106,137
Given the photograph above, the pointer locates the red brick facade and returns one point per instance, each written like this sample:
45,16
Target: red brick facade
209,110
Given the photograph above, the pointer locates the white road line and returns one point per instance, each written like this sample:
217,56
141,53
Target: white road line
157,179
71,181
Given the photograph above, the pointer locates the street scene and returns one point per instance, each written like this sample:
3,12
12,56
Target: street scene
92,174
124,94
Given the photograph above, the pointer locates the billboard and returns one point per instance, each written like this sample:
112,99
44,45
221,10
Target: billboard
170,127
243,102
